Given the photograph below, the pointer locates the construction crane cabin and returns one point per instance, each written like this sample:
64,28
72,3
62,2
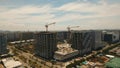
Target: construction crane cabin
48,25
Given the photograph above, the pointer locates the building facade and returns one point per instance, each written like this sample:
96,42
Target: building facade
97,39
111,36
13,36
82,41
27,35
62,35
46,44
3,44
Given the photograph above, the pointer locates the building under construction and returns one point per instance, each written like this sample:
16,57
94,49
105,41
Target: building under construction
62,35
97,39
82,41
3,44
46,44
65,52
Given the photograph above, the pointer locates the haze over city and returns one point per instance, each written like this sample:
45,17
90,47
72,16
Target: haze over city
23,15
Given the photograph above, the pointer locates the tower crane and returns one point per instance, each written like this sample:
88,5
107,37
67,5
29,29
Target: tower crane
70,34
69,28
48,25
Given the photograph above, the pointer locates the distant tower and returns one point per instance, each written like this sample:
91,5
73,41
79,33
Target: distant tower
3,44
82,41
27,35
46,44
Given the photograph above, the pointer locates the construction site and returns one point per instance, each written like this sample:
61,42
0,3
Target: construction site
64,52
61,49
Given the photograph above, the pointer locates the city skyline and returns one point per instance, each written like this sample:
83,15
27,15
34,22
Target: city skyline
33,15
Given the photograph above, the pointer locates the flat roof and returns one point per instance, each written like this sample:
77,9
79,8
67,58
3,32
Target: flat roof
10,63
66,52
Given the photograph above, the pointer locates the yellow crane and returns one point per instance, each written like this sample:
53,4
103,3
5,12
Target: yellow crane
48,25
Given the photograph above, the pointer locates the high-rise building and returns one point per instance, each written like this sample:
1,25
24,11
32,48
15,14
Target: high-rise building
13,36
3,44
97,39
46,44
82,41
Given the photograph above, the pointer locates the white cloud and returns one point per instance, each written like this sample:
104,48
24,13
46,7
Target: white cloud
18,17
101,23
2,9
100,9
23,11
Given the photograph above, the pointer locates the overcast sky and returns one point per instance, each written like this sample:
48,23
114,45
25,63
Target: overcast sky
34,14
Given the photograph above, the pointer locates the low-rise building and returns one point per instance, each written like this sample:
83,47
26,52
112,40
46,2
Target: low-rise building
115,51
11,63
65,52
111,37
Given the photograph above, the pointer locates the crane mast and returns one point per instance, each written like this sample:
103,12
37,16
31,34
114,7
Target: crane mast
48,25
69,32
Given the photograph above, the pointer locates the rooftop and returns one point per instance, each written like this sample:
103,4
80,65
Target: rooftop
65,49
11,63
